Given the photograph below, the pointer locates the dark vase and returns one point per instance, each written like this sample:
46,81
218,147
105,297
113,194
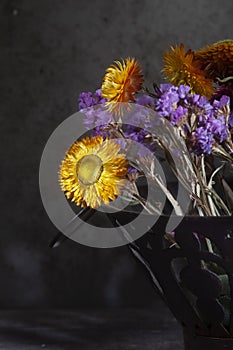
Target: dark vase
195,282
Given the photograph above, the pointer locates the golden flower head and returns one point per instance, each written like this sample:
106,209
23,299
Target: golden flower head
181,68
93,171
121,81
217,59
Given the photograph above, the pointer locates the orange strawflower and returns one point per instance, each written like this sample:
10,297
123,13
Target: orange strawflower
121,82
181,68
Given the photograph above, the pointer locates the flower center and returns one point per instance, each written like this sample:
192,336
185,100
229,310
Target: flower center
89,169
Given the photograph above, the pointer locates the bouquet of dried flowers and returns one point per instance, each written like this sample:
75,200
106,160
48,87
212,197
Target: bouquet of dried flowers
184,127
193,112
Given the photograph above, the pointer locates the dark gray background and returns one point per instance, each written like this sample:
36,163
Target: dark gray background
50,52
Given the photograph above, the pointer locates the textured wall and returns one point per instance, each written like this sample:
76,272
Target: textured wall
50,52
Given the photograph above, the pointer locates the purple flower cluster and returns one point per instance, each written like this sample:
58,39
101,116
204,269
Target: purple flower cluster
145,100
177,103
98,117
174,103
230,121
212,127
140,137
169,103
87,99
204,141
138,125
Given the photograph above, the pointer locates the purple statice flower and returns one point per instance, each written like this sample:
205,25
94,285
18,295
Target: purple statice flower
95,114
183,90
218,120
99,98
145,100
200,105
192,99
224,101
135,134
136,126
230,121
137,116
97,118
203,103
177,114
204,141
138,135
212,127
208,132
175,103
165,88
168,100
132,170
171,102
87,99
218,127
